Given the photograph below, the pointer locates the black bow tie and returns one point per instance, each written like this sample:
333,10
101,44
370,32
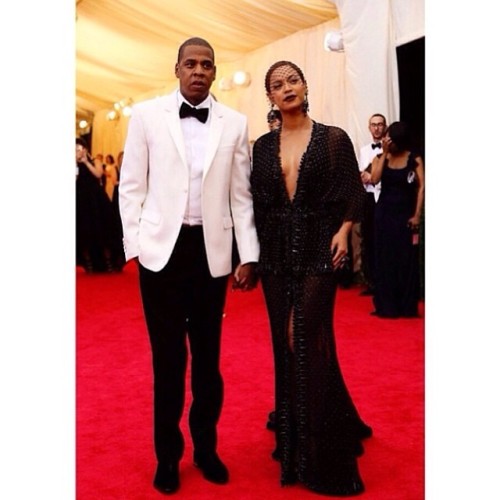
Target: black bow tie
186,110
376,145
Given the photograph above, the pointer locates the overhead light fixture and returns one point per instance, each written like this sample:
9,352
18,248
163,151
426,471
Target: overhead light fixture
123,107
334,41
83,122
242,79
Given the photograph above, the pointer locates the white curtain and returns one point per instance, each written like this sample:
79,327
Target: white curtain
371,66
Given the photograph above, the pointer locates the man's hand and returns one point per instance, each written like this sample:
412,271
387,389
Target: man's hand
245,277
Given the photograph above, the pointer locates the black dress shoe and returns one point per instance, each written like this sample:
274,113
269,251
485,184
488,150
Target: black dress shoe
167,478
212,468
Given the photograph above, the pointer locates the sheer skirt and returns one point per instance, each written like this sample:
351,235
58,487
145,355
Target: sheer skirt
319,430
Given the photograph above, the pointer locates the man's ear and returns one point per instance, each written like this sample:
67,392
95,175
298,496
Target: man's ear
177,70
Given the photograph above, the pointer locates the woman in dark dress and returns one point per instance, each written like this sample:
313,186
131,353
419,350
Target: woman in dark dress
113,221
92,249
397,219
307,194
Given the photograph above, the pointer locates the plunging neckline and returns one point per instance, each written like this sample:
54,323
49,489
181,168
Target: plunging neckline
291,198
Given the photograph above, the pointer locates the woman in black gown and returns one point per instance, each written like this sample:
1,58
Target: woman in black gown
92,245
307,194
397,219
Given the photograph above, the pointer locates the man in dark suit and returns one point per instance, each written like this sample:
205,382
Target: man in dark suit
377,125
184,189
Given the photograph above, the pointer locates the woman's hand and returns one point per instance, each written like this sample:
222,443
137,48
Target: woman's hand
413,223
339,248
386,143
366,177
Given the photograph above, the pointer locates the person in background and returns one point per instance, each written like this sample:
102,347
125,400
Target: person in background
184,186
397,218
92,250
307,194
119,161
110,176
113,219
377,125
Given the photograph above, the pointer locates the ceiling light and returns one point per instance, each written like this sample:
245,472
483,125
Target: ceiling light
242,79
333,41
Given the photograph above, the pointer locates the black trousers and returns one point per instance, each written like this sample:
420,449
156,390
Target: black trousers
184,303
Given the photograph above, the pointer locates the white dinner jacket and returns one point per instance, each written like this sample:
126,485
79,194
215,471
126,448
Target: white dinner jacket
154,182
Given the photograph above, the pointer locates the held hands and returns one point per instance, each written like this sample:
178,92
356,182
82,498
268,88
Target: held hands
245,277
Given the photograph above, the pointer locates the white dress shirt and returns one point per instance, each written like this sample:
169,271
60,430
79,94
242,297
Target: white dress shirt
366,156
196,142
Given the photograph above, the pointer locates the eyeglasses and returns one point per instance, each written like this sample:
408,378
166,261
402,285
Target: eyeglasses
377,124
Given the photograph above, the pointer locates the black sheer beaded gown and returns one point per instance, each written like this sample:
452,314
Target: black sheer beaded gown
318,429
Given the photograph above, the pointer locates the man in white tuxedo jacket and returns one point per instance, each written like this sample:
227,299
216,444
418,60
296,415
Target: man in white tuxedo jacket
184,198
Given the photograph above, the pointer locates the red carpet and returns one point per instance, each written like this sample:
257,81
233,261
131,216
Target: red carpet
382,361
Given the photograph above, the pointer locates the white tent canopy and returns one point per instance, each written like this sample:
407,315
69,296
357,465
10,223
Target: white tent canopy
127,49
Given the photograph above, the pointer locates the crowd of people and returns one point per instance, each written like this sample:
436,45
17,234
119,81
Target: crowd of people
196,205
99,232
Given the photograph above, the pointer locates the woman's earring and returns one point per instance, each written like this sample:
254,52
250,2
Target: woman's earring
305,105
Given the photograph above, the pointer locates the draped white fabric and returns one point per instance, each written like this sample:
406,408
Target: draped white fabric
345,88
371,66
371,31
